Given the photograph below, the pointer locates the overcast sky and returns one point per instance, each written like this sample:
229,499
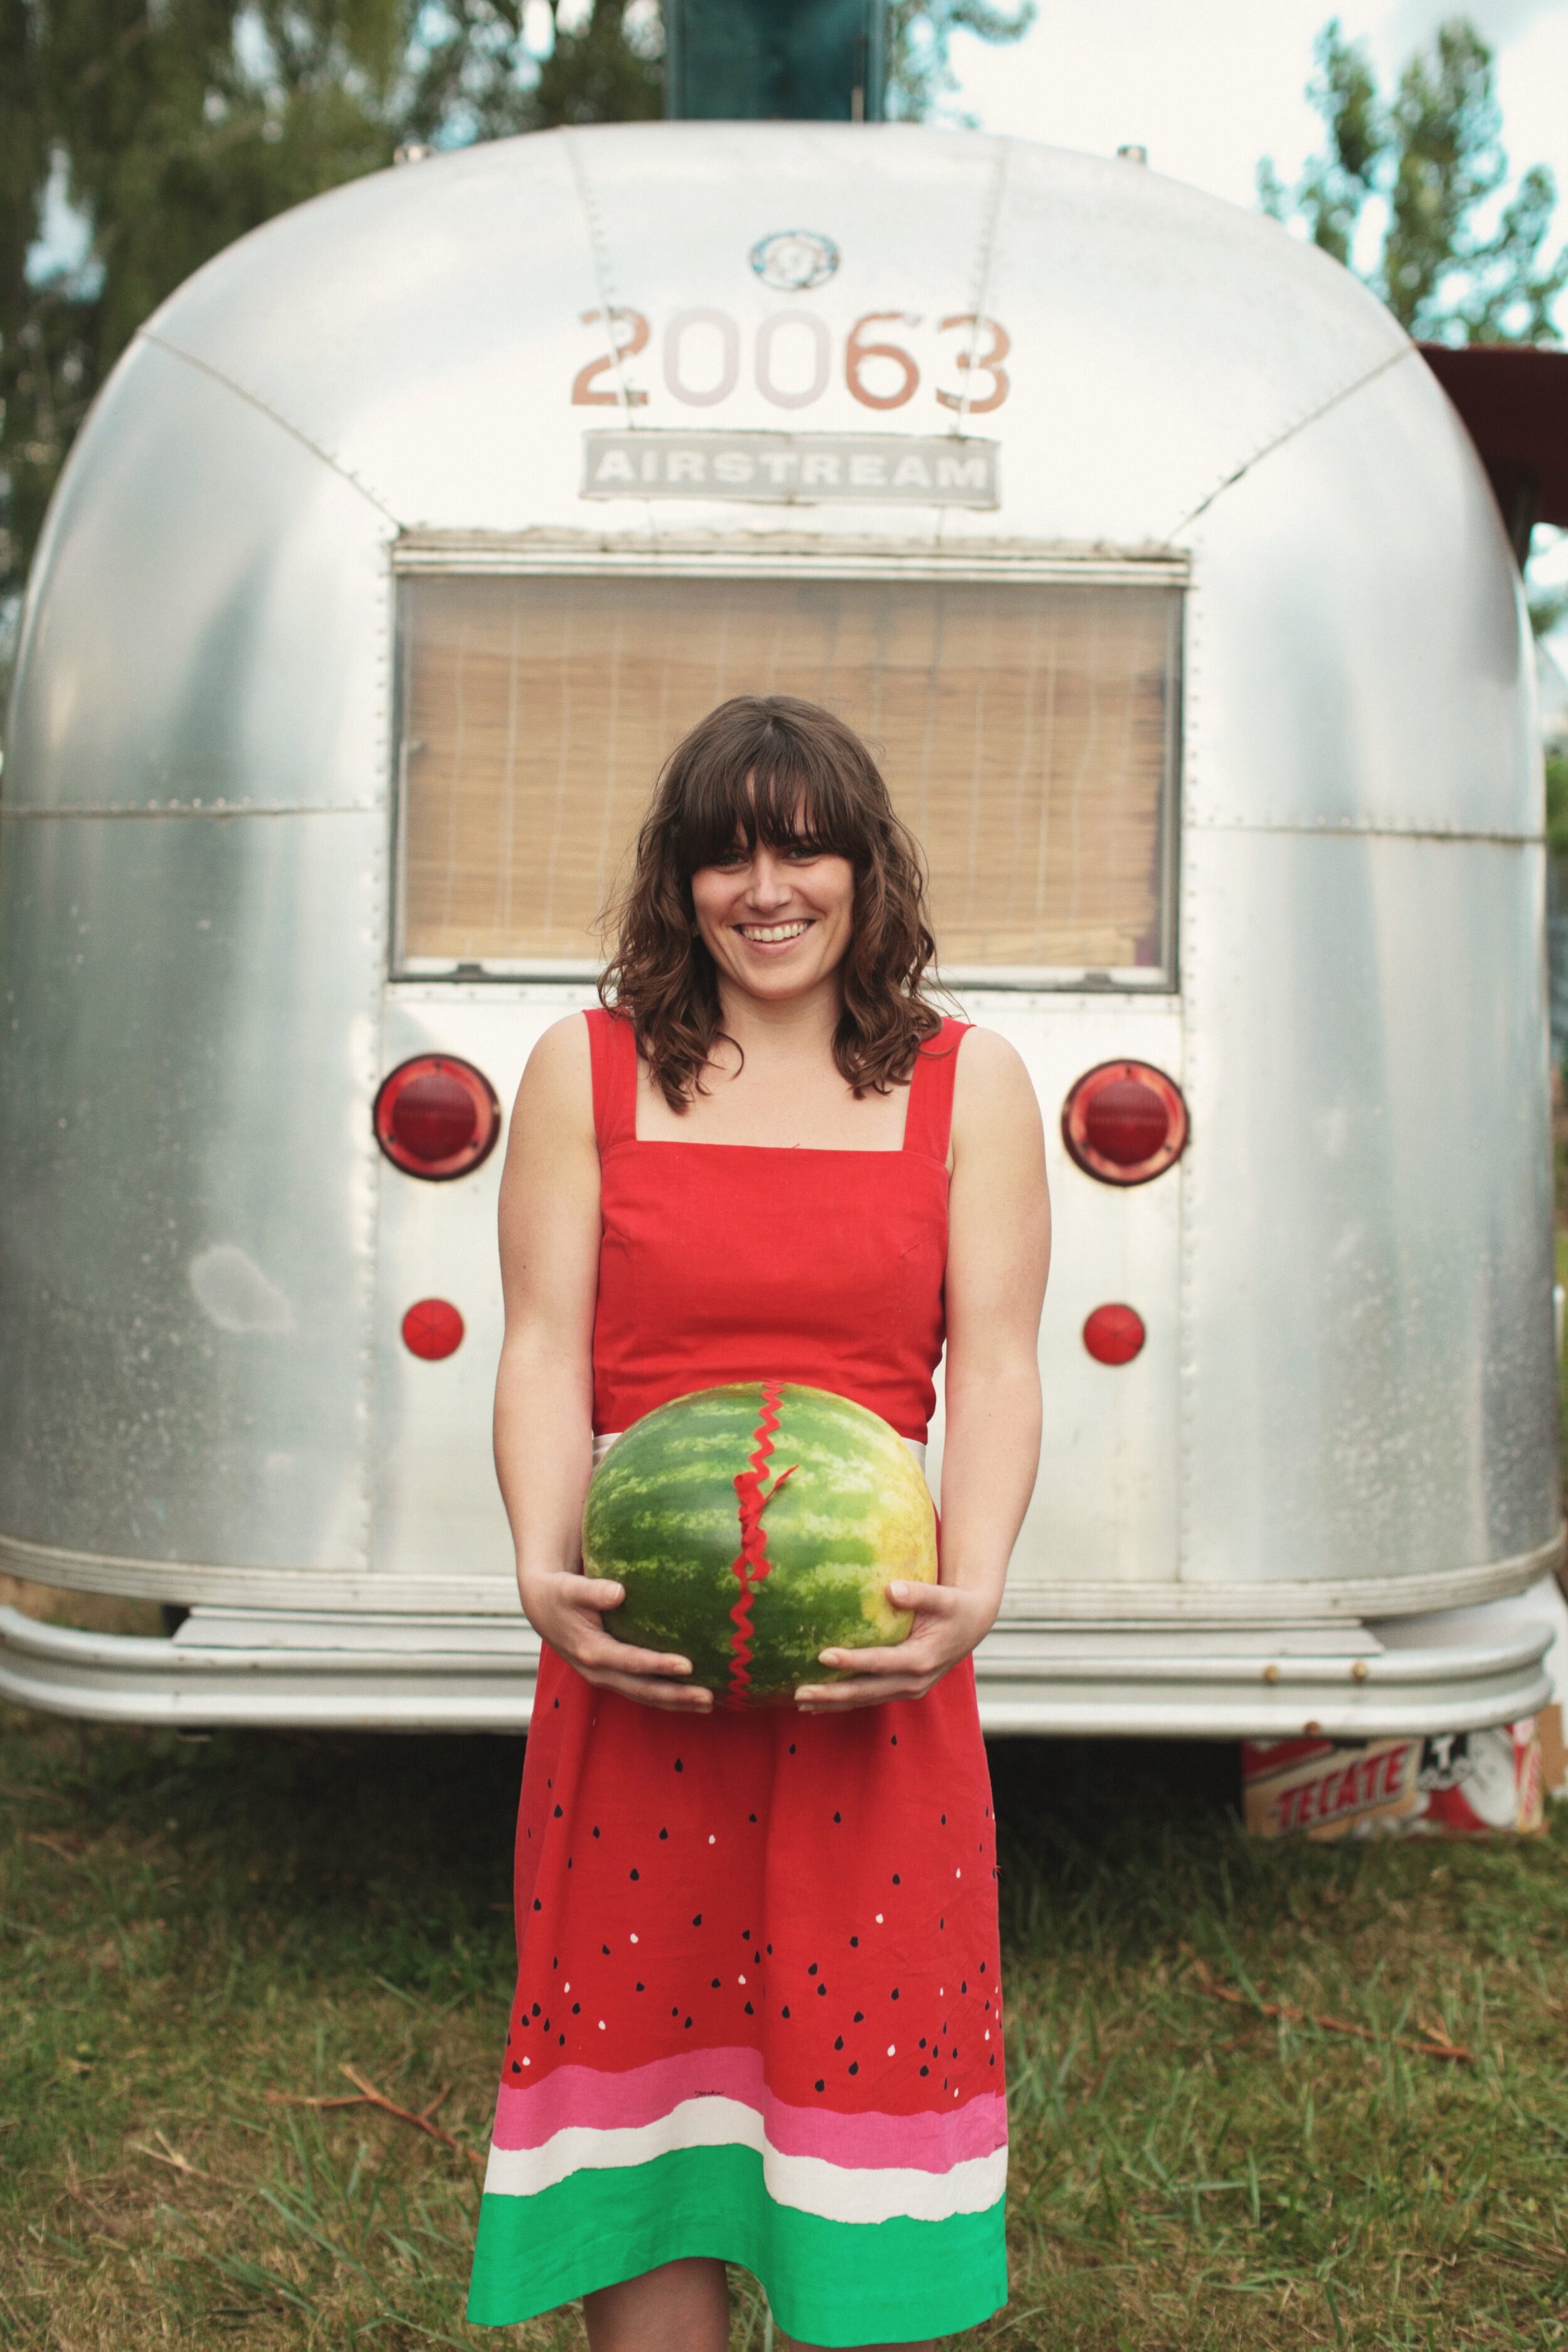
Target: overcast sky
1208,86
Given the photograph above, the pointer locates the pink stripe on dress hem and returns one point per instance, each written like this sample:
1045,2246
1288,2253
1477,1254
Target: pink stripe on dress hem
587,2098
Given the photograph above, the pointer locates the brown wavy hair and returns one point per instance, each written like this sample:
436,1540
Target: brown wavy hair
771,768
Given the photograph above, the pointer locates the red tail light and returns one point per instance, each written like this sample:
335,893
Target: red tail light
436,1117
433,1329
1114,1335
1125,1122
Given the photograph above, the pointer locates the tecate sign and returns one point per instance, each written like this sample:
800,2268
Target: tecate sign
791,468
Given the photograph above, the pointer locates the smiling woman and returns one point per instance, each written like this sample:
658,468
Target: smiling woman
758,2014
773,839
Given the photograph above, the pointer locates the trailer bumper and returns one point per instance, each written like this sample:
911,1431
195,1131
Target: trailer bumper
451,1672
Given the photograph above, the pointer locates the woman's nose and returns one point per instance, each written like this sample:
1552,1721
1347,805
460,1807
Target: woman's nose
769,883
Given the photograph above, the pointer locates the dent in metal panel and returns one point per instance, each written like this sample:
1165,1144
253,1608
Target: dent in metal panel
1357,640
1369,1341
186,1161
208,619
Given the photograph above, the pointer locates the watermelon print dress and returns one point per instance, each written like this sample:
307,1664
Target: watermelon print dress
759,2008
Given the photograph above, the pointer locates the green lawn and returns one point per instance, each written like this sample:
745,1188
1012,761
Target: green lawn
189,1925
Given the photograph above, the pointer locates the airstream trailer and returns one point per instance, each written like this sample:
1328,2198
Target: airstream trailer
404,541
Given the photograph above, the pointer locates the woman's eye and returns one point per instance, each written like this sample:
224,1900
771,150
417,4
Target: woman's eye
803,853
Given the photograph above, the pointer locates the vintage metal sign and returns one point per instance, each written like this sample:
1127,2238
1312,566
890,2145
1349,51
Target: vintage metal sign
791,468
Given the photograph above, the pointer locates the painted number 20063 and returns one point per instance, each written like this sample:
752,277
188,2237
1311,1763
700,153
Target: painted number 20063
792,360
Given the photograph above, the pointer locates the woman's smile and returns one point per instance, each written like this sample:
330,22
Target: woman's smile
776,919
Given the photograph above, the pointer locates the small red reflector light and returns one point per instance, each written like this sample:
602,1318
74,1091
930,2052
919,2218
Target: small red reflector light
435,1117
433,1329
1114,1335
1125,1122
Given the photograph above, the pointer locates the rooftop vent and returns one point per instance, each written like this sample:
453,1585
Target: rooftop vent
775,60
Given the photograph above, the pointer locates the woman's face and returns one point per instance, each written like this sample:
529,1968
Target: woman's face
775,921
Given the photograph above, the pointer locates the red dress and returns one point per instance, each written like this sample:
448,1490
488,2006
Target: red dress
758,2011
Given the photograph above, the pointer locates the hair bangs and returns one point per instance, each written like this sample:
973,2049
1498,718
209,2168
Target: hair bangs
764,783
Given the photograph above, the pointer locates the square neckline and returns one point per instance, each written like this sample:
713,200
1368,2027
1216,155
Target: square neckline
928,1108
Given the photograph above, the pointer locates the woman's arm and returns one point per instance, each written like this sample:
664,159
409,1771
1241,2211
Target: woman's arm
998,1254
544,1390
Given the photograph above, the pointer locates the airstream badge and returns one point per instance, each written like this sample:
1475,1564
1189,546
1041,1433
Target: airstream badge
793,468
794,260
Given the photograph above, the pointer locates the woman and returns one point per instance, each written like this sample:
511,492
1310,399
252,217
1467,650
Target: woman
758,2015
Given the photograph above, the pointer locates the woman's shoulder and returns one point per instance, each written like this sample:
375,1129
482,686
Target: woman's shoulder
558,1076
991,1083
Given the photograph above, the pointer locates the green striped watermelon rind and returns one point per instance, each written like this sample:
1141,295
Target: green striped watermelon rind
849,1512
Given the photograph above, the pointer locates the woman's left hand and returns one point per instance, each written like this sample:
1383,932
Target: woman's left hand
948,1622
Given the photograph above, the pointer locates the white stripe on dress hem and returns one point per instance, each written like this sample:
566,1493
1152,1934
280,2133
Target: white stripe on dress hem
810,2184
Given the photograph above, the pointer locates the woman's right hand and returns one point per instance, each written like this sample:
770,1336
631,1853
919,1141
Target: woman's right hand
566,1609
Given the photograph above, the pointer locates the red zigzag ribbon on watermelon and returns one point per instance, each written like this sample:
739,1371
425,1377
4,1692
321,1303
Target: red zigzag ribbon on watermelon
752,1563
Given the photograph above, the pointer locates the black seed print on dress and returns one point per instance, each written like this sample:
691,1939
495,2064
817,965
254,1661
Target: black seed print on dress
854,2065
821,1991
812,1971
896,1881
698,1921
679,1765
839,1817
576,2009
895,1993
688,2022
840,2043
605,1949
922,2041
640,1988
537,1903
558,1812
821,2087
854,1943
925,2070
964,1986
636,1873
750,2011
858,2018
895,1738
515,2067
536,2009
715,1985
751,1817
945,1820
596,1833
792,1752
561,2038
664,1834
783,2012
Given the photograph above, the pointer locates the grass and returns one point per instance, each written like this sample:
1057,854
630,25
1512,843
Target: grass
187,1926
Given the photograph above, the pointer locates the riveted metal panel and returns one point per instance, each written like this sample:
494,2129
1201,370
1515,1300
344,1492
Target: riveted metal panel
209,617
185,1257
1368,1350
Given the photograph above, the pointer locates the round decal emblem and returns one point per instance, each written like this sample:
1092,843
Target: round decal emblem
794,260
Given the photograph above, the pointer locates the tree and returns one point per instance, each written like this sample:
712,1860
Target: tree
1431,161
170,127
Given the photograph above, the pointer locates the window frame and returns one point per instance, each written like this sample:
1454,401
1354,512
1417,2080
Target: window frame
478,555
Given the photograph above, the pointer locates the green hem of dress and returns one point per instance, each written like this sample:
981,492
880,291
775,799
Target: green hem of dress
836,2283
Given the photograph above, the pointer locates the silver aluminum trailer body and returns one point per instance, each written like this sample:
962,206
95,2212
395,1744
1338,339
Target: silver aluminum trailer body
520,389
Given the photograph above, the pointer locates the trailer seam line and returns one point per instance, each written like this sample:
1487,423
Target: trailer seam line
1268,448
284,424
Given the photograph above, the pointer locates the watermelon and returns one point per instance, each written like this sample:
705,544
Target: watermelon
755,1526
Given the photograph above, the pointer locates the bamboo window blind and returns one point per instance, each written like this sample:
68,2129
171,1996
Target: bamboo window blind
1025,732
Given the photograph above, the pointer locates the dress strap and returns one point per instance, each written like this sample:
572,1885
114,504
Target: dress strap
928,1122
613,1050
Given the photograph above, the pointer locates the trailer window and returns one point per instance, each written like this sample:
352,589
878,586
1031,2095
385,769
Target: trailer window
1026,732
